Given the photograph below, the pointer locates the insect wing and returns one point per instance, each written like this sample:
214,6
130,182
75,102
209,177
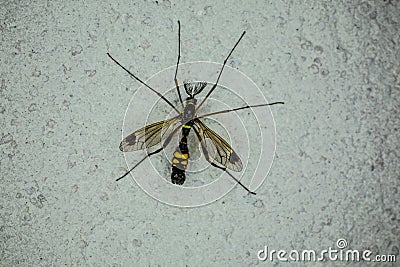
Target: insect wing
222,151
148,136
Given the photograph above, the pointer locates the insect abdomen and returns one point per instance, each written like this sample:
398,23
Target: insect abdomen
181,157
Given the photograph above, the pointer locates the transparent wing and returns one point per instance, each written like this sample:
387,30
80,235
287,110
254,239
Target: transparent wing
148,136
222,152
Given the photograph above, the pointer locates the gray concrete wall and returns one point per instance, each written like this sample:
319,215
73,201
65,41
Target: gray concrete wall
62,103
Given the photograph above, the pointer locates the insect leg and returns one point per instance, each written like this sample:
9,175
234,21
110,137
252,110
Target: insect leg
219,75
205,152
177,63
235,109
165,144
142,82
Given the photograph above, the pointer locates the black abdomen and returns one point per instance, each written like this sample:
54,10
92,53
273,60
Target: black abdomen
181,157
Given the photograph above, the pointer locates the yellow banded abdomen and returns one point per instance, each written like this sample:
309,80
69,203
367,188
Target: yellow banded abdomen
180,160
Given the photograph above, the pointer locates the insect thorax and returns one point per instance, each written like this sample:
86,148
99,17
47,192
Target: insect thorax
189,110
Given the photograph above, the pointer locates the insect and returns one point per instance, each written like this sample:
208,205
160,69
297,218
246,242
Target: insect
187,119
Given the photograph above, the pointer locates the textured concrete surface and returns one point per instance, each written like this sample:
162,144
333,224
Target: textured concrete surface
62,102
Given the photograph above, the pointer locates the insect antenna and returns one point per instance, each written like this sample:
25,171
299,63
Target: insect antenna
188,88
219,75
142,82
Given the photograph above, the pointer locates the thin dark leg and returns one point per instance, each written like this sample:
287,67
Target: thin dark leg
235,109
165,144
205,152
137,164
177,63
219,75
225,170
139,80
